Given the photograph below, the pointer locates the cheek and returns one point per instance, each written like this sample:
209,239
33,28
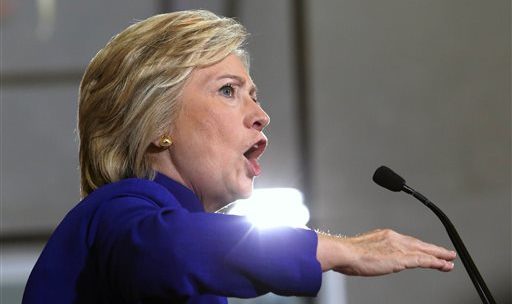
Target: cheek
205,123
208,139
218,132
196,131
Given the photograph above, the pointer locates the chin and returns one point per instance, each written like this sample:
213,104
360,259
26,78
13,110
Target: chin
245,192
244,195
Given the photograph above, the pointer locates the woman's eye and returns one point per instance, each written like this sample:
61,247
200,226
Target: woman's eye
227,90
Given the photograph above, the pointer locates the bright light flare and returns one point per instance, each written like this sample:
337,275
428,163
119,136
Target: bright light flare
273,207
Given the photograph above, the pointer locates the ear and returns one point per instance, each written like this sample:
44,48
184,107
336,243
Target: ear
164,140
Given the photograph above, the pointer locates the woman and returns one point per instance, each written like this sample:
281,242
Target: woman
170,131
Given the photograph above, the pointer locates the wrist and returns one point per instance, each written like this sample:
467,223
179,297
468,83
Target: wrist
331,250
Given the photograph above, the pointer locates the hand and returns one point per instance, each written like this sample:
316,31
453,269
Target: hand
380,252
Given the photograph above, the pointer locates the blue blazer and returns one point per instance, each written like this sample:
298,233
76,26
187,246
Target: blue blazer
142,241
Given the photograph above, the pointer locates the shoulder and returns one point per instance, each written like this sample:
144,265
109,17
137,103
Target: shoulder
132,195
133,189
116,208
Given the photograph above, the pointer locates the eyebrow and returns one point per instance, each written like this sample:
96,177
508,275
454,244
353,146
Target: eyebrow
252,90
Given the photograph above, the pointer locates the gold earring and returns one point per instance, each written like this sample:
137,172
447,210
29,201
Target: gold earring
165,141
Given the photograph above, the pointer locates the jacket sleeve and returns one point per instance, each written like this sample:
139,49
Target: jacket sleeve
145,251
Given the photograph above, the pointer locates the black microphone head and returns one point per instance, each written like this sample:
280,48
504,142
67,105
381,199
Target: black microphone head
388,179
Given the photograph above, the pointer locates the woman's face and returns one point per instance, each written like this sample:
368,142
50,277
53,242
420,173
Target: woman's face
218,134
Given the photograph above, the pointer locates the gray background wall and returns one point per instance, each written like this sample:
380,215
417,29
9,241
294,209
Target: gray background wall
422,86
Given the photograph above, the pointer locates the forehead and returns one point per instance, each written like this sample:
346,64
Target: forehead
232,65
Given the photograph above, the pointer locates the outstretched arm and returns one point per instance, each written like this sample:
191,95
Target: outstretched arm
380,252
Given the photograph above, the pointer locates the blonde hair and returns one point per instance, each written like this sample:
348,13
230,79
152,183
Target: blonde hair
129,92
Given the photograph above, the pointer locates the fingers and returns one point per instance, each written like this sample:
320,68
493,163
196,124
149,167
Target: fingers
385,251
380,252
426,255
420,260
448,266
431,249
408,243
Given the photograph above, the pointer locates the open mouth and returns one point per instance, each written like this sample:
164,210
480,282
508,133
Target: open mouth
256,150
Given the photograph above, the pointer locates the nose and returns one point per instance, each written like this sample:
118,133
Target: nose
258,119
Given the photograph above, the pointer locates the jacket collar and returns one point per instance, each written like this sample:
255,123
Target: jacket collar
185,196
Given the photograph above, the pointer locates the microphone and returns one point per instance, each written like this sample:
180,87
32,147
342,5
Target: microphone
388,179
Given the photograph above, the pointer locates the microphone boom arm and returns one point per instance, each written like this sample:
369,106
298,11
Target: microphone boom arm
470,266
